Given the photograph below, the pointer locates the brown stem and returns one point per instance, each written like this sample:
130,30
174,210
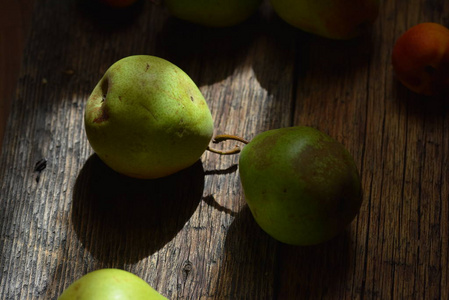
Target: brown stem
224,137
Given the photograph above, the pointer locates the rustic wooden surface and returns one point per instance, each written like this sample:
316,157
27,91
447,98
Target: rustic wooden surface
15,19
190,235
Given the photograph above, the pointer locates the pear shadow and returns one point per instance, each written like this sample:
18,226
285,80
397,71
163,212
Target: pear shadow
311,55
285,53
256,265
120,220
207,54
314,272
247,270
108,18
336,55
335,59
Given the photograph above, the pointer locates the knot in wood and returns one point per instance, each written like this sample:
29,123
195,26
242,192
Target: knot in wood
186,269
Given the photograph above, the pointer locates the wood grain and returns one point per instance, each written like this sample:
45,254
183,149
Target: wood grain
191,235
15,19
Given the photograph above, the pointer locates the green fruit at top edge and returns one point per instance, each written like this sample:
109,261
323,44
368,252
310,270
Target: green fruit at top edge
213,13
110,284
146,118
301,185
334,19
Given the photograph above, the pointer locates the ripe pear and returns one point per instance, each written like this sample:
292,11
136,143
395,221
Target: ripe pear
334,19
110,284
146,118
301,186
217,13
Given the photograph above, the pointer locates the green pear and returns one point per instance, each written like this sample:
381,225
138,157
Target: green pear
301,186
110,284
146,118
213,13
335,19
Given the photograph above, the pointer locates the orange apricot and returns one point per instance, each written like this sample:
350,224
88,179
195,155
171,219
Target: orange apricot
420,59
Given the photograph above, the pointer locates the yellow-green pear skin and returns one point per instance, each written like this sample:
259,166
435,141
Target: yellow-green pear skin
147,119
213,13
110,284
302,186
334,19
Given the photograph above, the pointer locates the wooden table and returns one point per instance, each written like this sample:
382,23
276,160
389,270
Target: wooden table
191,235
15,19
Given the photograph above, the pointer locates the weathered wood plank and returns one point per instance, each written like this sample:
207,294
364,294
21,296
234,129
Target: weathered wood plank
190,235
14,27
397,247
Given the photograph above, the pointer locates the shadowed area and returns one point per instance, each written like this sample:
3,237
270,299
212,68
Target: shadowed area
207,54
249,256
107,17
284,271
122,220
308,272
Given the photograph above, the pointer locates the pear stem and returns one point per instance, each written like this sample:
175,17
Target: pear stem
224,137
